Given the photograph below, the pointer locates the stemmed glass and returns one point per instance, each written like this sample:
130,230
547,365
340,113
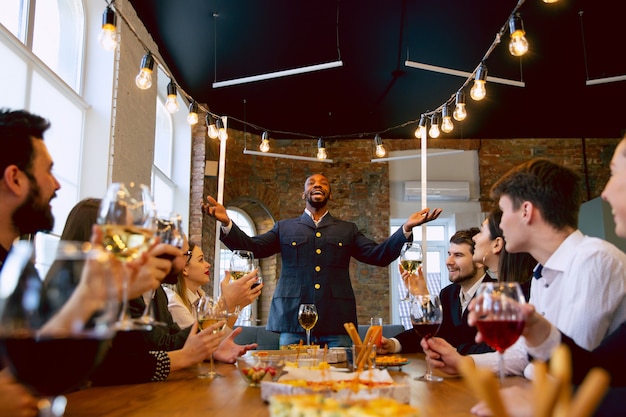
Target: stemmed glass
169,230
410,260
307,317
53,353
500,320
128,221
241,263
426,316
208,312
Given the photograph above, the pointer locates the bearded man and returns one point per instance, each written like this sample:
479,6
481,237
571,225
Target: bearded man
316,249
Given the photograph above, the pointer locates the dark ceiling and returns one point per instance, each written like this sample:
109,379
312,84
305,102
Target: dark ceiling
571,41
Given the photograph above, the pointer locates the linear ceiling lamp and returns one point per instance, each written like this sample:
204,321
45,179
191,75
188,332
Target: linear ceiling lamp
463,74
606,80
278,74
401,157
280,155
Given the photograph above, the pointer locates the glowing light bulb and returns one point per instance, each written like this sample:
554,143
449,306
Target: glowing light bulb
171,104
108,36
459,112
221,129
478,91
212,132
265,142
380,149
222,134
144,78
434,128
446,124
321,149
518,45
421,127
192,116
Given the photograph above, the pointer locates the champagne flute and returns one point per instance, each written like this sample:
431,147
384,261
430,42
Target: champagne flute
128,221
500,320
241,263
410,260
169,230
208,312
426,317
307,317
37,341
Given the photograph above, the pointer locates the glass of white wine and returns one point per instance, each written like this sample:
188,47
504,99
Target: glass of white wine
209,311
241,263
307,317
410,260
127,217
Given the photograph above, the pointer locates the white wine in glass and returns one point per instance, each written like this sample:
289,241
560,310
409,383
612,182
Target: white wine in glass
209,312
127,217
241,263
410,260
307,317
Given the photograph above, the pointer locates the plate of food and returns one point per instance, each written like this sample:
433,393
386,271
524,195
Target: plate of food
386,361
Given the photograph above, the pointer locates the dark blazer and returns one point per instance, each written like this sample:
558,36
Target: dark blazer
315,268
454,328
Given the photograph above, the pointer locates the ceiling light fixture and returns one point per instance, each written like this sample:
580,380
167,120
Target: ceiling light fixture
211,129
518,45
380,149
278,74
192,116
265,142
434,132
321,149
220,124
478,90
171,104
419,155
459,113
108,36
144,78
463,74
421,126
446,123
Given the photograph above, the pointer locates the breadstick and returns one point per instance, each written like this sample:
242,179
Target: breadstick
561,369
545,390
353,333
363,353
590,393
484,384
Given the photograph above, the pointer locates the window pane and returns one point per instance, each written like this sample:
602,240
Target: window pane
163,140
10,16
14,72
163,194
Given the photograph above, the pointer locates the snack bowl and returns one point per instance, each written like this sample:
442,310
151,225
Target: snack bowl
255,369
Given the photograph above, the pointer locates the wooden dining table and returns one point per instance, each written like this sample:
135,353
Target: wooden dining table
184,394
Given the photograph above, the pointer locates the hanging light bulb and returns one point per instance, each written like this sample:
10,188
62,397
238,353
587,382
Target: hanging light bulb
446,120
321,149
421,127
459,113
171,104
265,142
518,45
144,78
210,126
434,126
108,36
479,91
550,1
380,149
221,129
192,116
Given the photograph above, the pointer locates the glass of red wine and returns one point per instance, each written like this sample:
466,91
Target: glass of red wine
500,320
48,343
426,316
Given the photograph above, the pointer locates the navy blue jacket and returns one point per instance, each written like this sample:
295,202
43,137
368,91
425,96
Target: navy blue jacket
315,268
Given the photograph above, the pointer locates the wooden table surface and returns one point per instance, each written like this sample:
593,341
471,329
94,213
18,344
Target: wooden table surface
183,394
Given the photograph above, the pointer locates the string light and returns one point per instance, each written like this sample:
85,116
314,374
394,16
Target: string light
222,134
421,126
144,78
434,132
192,116
108,36
479,90
265,142
171,104
518,45
210,126
459,113
321,149
380,149
446,122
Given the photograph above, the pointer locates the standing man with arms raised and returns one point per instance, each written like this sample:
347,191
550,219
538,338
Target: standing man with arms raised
316,249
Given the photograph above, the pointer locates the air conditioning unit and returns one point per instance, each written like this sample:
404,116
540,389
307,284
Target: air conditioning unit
437,190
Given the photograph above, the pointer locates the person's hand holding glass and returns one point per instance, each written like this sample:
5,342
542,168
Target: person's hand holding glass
241,263
127,219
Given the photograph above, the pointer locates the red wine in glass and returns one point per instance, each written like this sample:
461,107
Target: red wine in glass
426,316
426,330
500,334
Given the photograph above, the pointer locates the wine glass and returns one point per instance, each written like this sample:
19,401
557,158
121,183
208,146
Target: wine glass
426,316
208,312
48,344
169,230
128,221
410,260
241,263
307,317
500,320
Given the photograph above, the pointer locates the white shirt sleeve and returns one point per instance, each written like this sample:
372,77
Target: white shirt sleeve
226,229
397,347
543,351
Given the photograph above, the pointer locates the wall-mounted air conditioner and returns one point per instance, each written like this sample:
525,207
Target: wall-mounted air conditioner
437,190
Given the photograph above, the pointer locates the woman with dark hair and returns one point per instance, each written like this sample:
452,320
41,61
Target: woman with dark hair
490,250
